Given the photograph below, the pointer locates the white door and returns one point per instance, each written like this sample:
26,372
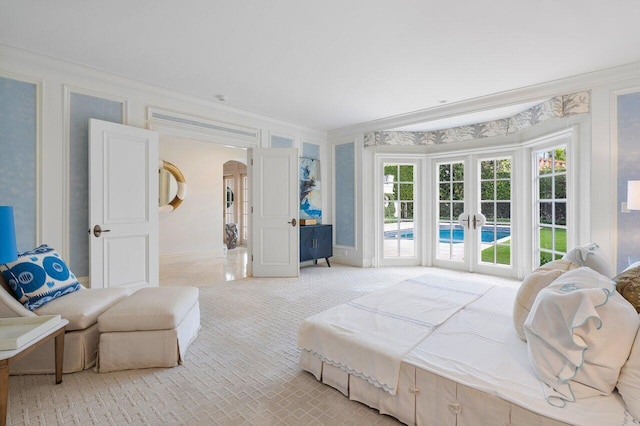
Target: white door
123,205
474,202
275,203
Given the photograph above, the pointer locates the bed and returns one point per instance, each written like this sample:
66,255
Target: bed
464,365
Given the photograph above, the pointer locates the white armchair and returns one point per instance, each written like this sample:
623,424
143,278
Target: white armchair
82,309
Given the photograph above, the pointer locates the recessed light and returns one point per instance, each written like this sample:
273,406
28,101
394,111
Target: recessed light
222,98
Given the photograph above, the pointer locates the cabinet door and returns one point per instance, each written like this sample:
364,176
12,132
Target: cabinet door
324,241
306,243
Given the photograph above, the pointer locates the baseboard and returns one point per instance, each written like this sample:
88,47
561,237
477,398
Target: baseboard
167,259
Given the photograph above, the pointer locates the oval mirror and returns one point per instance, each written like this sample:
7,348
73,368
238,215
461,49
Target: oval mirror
172,187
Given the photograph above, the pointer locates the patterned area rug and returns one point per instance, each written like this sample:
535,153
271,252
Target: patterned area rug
241,370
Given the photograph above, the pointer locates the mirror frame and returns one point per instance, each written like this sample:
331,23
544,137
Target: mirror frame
182,186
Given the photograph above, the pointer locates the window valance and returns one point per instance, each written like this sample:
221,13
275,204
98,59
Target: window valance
557,107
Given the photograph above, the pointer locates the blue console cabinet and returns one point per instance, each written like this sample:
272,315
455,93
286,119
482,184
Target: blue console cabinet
316,242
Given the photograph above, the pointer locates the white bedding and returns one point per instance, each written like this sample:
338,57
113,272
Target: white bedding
370,336
479,348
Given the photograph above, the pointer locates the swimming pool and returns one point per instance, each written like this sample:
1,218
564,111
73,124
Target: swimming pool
455,235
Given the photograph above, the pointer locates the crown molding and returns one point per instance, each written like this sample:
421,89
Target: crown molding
531,93
15,58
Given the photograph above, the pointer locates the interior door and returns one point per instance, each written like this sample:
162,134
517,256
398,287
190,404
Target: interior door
123,205
275,205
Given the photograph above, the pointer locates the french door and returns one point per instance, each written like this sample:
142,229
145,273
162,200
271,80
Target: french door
400,210
473,227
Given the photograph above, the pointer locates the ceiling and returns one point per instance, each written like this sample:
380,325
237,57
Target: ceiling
328,64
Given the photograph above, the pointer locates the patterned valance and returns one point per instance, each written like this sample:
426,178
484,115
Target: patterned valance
557,107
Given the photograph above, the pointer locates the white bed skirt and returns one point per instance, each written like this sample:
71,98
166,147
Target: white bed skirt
424,398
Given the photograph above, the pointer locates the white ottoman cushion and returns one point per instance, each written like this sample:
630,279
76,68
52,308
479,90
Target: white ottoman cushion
151,328
82,308
157,308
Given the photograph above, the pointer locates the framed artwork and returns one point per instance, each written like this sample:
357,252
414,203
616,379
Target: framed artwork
310,196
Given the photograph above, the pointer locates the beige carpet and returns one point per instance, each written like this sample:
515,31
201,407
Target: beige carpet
241,370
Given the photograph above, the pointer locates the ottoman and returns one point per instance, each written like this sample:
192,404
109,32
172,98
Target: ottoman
151,328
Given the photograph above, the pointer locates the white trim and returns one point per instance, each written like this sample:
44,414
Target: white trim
17,57
565,137
39,84
285,136
422,235
192,126
511,97
66,148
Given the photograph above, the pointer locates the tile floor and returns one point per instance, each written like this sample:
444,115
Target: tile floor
206,272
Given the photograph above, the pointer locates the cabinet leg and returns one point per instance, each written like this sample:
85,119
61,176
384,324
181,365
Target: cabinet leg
328,264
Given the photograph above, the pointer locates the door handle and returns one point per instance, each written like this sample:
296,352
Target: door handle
97,230
464,217
293,222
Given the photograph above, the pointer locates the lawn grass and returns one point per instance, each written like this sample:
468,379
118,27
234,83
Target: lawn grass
504,251
503,257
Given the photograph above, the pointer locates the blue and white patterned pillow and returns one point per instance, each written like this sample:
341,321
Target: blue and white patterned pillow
38,276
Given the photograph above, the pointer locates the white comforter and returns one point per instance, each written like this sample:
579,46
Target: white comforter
479,348
369,336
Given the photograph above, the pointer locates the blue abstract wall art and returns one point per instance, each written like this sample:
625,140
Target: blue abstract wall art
310,196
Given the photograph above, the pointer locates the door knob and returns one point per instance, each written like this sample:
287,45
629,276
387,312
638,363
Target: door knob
293,222
97,230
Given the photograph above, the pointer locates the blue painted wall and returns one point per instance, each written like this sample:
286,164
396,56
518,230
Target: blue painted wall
628,169
18,136
344,221
311,150
83,107
281,142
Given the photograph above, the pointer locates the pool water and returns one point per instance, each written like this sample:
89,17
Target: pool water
457,234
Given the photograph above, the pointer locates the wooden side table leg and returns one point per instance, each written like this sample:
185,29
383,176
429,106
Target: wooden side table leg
59,345
4,390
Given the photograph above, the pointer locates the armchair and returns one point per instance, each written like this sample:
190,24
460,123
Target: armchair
82,309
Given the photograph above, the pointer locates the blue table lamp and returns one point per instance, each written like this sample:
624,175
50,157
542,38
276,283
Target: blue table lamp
8,248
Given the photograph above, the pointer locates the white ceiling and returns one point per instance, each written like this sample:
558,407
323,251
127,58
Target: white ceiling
328,64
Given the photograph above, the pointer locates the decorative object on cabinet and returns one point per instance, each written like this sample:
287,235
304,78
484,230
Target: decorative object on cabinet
310,199
316,242
8,247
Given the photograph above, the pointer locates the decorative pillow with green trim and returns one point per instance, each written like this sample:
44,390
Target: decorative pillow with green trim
628,285
38,276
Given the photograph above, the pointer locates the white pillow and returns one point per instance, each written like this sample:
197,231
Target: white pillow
579,335
629,380
592,257
531,286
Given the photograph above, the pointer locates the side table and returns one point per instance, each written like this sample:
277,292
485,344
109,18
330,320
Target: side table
7,356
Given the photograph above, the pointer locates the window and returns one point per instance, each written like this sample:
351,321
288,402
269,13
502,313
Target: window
229,209
245,208
450,205
550,206
495,205
398,206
